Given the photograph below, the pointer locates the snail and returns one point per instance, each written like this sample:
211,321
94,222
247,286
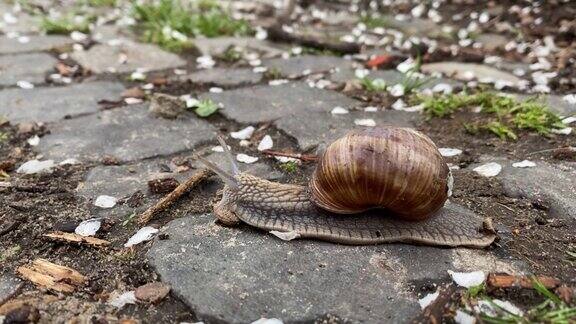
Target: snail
371,186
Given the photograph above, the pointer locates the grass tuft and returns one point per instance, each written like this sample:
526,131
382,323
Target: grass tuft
289,167
373,85
374,21
507,114
170,23
66,24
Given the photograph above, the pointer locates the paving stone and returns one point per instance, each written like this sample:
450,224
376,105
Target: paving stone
267,103
105,58
416,27
35,44
223,77
25,23
294,66
554,102
9,285
492,42
463,71
555,185
217,46
237,275
31,67
54,103
320,128
127,133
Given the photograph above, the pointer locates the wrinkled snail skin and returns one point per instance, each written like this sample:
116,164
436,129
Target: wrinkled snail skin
398,169
373,186
273,206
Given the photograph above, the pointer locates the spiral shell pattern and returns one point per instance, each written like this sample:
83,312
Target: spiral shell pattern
398,169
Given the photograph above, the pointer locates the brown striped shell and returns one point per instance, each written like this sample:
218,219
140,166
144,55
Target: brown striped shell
398,169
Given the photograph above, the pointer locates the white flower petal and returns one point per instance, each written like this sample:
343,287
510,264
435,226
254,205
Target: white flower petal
563,131
34,140
35,166
119,300
339,111
88,227
104,201
25,85
146,233
244,158
266,143
491,169
365,122
244,133
467,279
286,236
524,164
447,152
464,318
428,299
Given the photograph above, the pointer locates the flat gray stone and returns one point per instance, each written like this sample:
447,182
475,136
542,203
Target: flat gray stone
555,185
105,58
463,71
237,275
416,27
554,102
9,285
294,66
268,103
31,67
223,77
36,43
492,42
127,133
25,23
54,103
218,46
319,128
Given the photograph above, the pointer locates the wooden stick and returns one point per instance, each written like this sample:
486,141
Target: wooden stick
169,199
303,157
75,238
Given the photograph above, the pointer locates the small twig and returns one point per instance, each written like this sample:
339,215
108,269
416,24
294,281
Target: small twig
303,157
169,199
75,238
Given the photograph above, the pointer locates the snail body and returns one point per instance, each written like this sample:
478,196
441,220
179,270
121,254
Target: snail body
372,186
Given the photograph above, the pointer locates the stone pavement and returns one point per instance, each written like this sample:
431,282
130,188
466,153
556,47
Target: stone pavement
239,274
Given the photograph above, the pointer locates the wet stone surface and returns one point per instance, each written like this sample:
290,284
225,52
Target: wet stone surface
238,275
34,44
8,286
25,67
320,128
297,65
553,186
268,103
126,57
218,46
126,133
468,71
222,77
21,105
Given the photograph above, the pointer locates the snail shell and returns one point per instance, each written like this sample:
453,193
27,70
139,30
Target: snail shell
398,169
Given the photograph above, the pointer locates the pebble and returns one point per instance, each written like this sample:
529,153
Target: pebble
152,292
